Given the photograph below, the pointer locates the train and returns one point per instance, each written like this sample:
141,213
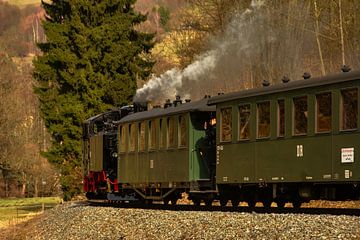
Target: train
290,142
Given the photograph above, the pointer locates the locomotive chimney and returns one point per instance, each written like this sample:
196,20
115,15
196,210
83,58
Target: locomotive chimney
140,106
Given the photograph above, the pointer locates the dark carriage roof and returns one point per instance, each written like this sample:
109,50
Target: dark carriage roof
282,87
196,106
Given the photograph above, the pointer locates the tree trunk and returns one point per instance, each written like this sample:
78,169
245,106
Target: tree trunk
36,190
23,189
317,30
341,34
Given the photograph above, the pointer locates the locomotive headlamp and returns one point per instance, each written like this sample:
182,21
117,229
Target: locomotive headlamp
114,154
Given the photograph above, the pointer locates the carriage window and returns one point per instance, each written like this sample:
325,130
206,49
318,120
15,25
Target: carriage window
263,120
323,112
142,136
152,135
281,118
171,132
226,125
182,131
162,134
349,109
244,122
132,137
122,139
300,115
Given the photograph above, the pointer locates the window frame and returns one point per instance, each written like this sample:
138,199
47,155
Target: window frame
293,115
180,132
151,132
162,134
316,112
257,119
140,136
341,109
168,132
278,118
239,123
123,137
221,124
130,137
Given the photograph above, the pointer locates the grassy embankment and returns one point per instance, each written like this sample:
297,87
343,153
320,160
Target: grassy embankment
21,3
13,211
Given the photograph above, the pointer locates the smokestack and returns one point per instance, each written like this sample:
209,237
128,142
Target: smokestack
140,106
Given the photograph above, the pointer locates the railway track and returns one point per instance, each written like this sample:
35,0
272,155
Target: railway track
240,209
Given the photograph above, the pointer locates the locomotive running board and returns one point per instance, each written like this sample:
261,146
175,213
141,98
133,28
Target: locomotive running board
156,198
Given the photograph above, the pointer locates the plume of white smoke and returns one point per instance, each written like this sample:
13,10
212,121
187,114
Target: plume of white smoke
230,54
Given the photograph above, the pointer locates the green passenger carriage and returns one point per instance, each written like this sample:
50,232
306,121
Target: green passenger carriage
291,142
164,152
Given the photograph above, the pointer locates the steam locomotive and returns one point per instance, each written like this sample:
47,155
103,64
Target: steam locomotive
290,142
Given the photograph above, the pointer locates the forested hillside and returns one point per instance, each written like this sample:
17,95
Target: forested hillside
216,46
23,171
200,47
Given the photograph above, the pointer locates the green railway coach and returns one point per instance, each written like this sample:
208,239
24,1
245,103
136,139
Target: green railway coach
160,151
290,142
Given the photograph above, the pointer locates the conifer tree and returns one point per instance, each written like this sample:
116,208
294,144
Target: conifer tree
91,61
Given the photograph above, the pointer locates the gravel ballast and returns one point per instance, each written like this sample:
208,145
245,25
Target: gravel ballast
72,221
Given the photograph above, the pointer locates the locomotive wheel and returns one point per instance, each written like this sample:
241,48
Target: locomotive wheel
235,202
223,202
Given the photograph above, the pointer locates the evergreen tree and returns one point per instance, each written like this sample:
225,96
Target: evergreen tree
90,63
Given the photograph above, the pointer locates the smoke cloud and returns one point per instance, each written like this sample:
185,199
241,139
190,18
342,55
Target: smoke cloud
238,54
